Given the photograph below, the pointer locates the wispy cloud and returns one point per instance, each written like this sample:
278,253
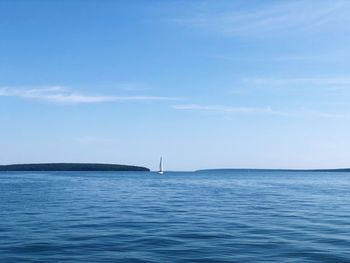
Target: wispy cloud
303,90
91,140
222,108
312,81
255,110
282,58
281,17
59,94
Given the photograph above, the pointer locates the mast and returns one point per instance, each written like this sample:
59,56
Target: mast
161,164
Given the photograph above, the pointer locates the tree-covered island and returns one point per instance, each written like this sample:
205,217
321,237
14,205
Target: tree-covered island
66,167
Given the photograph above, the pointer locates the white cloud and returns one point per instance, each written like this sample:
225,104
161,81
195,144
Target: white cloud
221,108
255,110
281,17
59,94
331,85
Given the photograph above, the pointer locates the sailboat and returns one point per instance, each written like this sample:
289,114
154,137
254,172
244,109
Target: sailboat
161,171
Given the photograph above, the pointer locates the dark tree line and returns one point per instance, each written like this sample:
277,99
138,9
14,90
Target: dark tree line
71,167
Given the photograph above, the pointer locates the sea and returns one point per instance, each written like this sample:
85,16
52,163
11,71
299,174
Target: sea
207,216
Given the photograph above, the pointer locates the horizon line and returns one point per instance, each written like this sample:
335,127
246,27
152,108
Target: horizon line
194,170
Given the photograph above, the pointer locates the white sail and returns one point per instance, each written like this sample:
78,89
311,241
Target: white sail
161,171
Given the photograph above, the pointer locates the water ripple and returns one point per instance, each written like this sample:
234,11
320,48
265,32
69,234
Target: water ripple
181,217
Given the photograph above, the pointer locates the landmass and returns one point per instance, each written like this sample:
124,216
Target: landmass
275,170
67,167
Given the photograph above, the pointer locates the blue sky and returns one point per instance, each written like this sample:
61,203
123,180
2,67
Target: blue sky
206,84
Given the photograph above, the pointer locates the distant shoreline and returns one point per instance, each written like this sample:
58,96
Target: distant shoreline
71,167
274,170
103,167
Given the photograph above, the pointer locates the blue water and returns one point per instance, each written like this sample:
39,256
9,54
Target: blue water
180,217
